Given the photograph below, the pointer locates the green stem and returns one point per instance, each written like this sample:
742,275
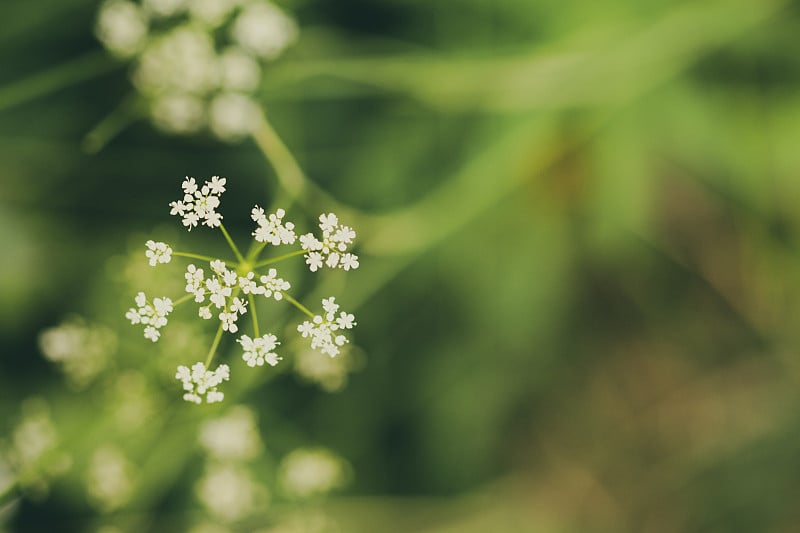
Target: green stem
255,249
214,345
182,299
279,258
195,256
112,124
231,243
252,301
10,493
288,171
55,78
298,305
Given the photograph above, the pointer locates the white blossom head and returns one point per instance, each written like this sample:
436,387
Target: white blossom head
325,331
198,63
81,349
122,27
308,472
109,482
331,249
232,437
200,383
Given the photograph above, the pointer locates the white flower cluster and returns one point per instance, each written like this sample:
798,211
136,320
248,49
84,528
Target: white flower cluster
199,204
82,349
224,292
233,436
331,249
219,289
109,482
307,472
260,350
228,490
158,252
324,330
153,316
271,228
198,62
199,382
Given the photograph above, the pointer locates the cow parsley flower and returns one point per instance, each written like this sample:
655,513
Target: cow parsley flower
197,63
158,252
271,228
332,249
199,382
152,315
82,349
324,329
121,27
263,29
199,204
307,472
260,350
227,289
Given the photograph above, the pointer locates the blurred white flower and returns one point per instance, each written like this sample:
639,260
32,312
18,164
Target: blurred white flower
197,62
34,454
330,373
263,29
233,436
180,61
164,8
239,71
229,493
108,478
212,13
308,472
35,435
232,116
178,113
82,350
121,27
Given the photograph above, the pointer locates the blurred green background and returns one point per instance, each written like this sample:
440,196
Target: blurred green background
579,289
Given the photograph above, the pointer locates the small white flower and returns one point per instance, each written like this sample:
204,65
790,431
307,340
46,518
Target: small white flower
151,333
217,185
199,382
324,331
328,222
158,252
204,313
314,261
349,261
259,350
272,229
329,251
238,306
153,317
199,204
273,285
